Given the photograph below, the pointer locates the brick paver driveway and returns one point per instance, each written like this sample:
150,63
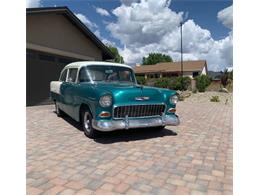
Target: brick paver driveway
193,158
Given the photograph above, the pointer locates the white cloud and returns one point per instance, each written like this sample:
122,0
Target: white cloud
86,21
104,40
97,33
108,42
226,16
33,3
143,23
102,11
129,2
151,26
94,29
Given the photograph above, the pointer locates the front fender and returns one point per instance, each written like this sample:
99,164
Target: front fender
89,95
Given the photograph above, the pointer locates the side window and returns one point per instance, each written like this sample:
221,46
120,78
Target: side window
83,77
64,75
194,74
72,75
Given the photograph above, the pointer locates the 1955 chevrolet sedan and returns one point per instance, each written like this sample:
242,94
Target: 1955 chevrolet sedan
105,96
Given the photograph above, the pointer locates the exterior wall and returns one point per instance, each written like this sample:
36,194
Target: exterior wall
188,74
55,31
204,71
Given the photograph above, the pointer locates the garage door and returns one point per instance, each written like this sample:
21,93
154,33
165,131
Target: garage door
41,69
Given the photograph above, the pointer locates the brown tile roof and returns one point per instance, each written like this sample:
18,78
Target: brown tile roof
197,65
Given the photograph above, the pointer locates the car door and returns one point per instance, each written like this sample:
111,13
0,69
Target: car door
69,91
63,79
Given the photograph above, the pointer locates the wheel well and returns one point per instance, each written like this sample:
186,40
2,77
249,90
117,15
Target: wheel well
83,106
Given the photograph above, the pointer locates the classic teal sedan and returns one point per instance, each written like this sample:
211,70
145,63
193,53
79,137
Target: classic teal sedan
105,96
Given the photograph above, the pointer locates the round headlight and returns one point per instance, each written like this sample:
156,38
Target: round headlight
174,99
105,101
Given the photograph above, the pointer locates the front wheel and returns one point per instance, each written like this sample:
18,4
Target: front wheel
86,121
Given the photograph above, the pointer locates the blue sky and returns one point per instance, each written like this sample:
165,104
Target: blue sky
207,32
205,13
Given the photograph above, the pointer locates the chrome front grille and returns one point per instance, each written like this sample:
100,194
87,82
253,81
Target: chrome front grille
139,110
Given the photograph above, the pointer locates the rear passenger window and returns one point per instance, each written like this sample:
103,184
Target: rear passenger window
72,75
64,75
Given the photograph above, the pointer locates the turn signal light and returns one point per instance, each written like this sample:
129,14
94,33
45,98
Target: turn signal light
172,110
105,114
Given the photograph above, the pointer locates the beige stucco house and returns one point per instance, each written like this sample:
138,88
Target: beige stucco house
169,69
54,38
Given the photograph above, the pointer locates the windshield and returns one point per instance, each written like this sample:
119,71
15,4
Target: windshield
106,74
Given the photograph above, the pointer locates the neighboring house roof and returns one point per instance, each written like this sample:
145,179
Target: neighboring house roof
74,19
188,66
88,63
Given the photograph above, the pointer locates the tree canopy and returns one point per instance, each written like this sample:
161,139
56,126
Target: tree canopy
118,57
154,58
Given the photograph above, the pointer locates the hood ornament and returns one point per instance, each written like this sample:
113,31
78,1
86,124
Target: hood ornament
142,98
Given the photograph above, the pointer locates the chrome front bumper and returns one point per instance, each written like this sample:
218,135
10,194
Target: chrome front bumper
129,123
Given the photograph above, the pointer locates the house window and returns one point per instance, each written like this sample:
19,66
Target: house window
194,74
157,75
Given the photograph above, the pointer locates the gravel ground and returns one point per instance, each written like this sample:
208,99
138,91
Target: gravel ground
205,97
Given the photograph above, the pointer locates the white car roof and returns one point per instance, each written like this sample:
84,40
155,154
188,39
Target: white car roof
88,63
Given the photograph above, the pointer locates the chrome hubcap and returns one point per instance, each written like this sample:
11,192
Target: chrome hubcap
86,122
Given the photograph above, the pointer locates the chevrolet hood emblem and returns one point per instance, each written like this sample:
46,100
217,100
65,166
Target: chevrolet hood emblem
142,98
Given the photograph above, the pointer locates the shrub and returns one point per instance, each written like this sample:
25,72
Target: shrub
226,78
141,80
202,82
162,82
180,83
230,86
176,83
150,82
215,99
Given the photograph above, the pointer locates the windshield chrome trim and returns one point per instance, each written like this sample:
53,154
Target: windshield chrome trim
132,76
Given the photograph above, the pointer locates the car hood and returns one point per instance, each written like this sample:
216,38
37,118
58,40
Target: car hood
132,93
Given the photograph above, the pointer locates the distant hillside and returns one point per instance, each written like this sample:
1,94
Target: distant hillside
214,75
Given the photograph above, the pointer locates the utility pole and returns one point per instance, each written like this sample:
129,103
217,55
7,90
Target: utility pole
181,57
181,51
